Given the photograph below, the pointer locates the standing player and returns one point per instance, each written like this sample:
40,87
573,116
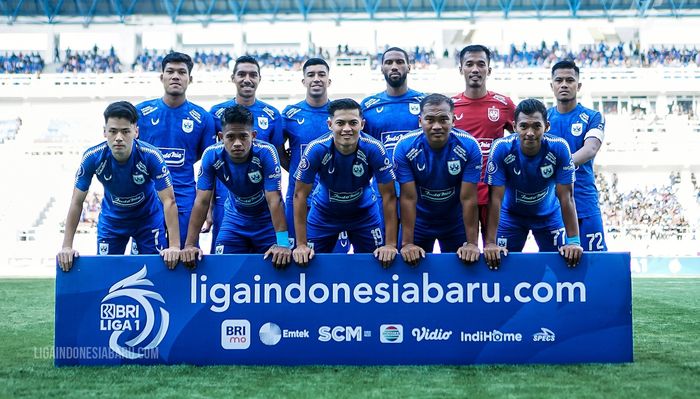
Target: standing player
250,171
180,129
345,161
483,114
438,168
583,129
529,175
135,178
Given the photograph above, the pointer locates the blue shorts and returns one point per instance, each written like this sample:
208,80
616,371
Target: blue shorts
218,218
449,236
592,233
241,234
549,232
342,245
148,238
364,233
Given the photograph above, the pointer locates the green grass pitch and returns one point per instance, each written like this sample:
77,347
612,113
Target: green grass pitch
666,346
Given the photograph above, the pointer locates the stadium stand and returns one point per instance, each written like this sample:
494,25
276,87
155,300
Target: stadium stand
21,63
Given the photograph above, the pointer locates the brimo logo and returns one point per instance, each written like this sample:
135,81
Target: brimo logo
120,318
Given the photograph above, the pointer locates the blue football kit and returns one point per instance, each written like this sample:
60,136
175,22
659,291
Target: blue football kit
247,225
344,199
181,134
438,177
530,201
130,207
576,127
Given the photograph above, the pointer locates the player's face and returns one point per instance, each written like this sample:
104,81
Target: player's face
530,128
395,68
475,68
246,78
346,125
565,85
120,135
175,78
238,140
437,122
316,81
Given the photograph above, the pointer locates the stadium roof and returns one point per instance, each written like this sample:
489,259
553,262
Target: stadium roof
208,11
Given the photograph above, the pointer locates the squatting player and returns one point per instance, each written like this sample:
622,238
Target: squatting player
531,177
250,171
438,168
180,129
583,128
345,161
135,178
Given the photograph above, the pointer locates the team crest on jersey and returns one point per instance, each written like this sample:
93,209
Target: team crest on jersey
263,122
358,170
104,248
547,171
139,179
255,176
577,129
494,114
187,125
454,167
414,108
219,250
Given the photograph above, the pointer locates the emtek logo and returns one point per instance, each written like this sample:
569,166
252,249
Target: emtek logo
546,335
271,334
342,333
235,334
391,333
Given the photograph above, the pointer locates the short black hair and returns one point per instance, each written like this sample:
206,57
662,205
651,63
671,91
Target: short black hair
174,56
237,114
245,59
475,48
565,64
315,61
343,104
529,107
405,54
436,99
122,109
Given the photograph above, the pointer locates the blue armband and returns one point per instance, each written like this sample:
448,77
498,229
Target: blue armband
573,240
283,239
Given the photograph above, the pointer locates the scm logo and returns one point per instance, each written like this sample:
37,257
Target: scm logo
342,333
235,334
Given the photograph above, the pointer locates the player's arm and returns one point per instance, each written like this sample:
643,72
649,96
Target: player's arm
590,148
572,250
281,253
386,253
190,253
67,254
469,252
171,255
492,252
302,253
410,252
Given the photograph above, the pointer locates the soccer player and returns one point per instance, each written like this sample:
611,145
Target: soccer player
180,129
531,180
250,171
345,160
135,177
438,168
482,113
583,128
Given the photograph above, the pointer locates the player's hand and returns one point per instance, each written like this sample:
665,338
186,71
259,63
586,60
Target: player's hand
207,225
281,256
492,254
468,252
412,254
303,254
65,258
171,256
386,254
190,255
572,253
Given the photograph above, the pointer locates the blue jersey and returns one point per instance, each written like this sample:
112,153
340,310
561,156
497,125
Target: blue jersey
575,127
438,175
530,181
387,118
344,191
130,189
266,120
246,182
181,134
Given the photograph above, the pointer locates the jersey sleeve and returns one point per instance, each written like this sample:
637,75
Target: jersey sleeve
495,168
83,176
277,134
309,164
271,168
565,172
509,124
215,112
208,134
402,166
380,162
159,170
207,174
472,169
596,127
